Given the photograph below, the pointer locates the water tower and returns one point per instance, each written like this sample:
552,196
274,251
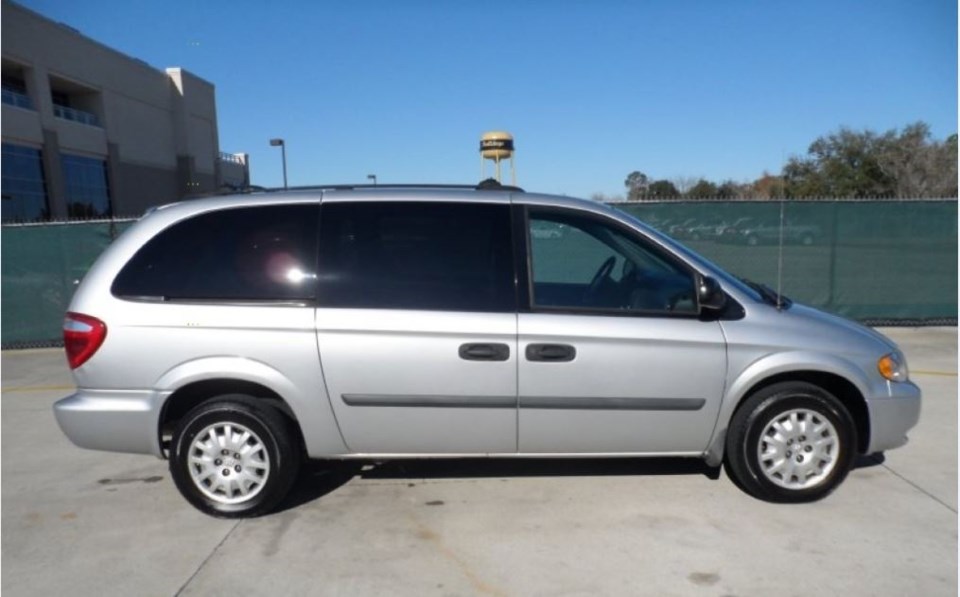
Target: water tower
497,146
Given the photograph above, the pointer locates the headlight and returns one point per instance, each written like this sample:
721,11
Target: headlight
893,367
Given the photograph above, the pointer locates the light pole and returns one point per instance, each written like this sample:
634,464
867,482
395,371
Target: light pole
283,150
372,177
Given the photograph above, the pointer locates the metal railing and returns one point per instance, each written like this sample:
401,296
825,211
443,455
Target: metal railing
19,100
75,115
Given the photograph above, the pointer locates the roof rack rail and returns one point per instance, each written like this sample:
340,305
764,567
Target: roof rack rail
227,189
486,185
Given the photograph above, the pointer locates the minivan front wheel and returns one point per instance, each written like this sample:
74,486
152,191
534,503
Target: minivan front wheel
234,457
790,442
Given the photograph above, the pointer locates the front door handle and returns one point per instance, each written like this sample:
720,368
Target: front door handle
551,353
484,352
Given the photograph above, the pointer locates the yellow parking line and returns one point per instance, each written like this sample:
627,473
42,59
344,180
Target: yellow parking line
942,373
36,388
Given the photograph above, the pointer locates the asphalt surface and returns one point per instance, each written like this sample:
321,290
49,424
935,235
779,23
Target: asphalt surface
88,523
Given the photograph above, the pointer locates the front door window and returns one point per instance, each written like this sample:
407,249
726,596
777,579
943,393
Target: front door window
581,262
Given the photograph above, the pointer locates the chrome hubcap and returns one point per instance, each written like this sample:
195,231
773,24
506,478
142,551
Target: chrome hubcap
798,449
228,463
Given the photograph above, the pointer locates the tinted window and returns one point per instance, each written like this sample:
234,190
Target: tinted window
432,256
24,190
582,261
254,253
85,182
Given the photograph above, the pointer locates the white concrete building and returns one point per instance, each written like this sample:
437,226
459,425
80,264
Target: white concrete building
90,132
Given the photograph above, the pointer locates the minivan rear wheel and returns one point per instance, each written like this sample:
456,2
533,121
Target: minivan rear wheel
234,456
790,442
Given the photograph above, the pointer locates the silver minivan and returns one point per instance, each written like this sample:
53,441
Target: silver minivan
237,336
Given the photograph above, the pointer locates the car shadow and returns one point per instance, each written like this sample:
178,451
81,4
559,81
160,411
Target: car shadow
870,460
319,478
316,479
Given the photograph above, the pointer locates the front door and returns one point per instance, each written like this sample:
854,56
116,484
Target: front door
614,356
417,326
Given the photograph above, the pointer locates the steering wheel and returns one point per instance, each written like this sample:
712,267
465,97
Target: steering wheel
602,273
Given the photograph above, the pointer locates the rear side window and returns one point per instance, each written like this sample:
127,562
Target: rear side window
250,253
430,256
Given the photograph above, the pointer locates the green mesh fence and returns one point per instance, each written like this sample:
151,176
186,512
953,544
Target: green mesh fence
39,270
875,261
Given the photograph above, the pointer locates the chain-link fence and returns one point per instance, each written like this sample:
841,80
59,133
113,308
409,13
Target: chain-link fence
878,261
42,264
882,262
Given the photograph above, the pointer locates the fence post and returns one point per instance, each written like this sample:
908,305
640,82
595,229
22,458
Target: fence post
832,275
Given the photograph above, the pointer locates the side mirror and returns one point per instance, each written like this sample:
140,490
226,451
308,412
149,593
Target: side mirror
709,294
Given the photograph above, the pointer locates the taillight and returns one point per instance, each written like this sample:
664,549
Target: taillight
82,336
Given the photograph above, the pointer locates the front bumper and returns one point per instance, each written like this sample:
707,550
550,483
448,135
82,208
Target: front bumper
113,420
892,415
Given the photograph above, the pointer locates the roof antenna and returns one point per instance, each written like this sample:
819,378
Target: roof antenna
780,262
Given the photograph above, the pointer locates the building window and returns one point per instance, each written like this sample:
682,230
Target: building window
85,180
15,89
60,99
74,102
23,188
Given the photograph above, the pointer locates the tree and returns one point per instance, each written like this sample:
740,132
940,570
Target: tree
849,163
948,158
704,189
729,189
684,183
662,189
602,198
919,166
767,187
637,184
841,164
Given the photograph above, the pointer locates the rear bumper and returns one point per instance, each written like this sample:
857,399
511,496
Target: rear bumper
113,420
892,415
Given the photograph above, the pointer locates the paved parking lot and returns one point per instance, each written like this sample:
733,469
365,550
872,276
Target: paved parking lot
88,523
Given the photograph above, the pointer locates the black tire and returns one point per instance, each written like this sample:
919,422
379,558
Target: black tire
758,412
279,448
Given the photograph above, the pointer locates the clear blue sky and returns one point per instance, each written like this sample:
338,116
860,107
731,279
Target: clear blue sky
590,90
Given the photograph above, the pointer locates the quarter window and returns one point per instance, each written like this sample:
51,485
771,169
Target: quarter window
409,255
582,262
255,253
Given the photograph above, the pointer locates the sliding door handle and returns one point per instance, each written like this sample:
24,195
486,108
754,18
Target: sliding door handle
484,352
551,353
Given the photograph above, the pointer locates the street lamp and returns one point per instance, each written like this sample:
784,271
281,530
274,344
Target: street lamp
372,177
283,149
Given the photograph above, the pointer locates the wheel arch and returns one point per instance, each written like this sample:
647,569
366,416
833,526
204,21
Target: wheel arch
195,382
191,395
845,391
833,375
